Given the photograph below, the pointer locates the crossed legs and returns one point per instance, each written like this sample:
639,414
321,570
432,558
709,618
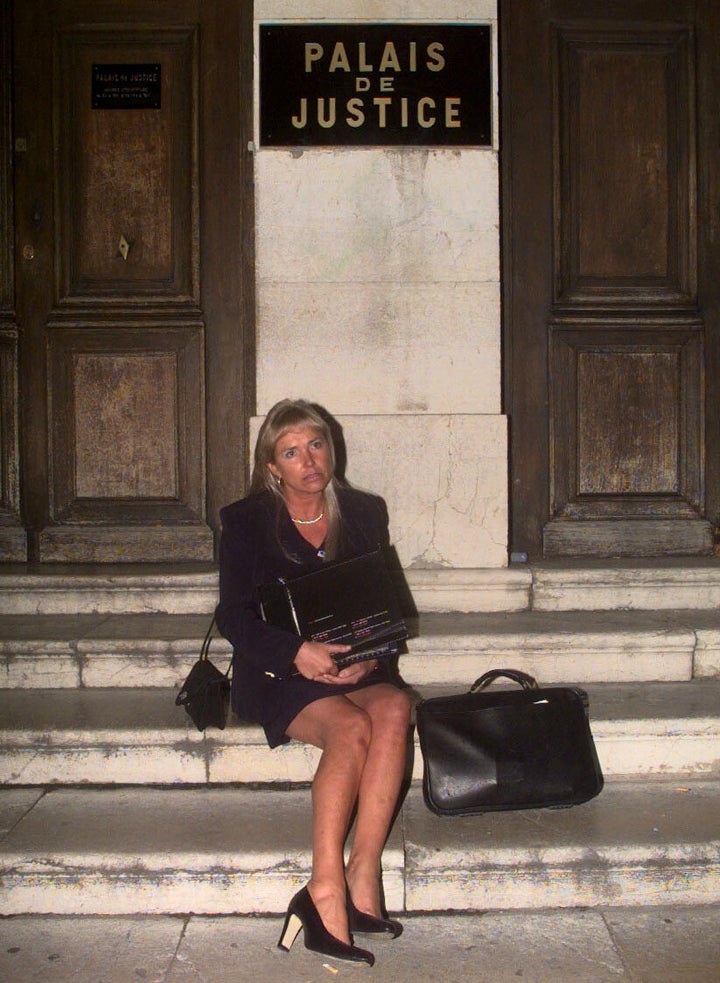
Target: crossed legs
363,738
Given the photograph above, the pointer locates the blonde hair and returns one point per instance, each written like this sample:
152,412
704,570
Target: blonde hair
290,414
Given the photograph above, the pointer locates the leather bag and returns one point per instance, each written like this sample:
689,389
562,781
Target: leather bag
506,748
205,694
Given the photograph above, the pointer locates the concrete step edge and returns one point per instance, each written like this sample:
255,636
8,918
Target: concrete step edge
132,737
147,625
232,850
159,650
656,584
658,706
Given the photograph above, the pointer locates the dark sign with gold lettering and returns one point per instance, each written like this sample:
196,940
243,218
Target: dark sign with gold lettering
375,85
126,86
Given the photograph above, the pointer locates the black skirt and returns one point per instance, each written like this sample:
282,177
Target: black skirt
293,694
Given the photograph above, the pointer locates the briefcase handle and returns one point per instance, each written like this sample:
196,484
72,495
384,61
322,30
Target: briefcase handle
517,675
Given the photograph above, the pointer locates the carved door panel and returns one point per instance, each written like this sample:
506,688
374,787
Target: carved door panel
133,293
610,185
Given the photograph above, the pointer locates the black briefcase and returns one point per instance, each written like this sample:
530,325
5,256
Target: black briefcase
351,602
501,749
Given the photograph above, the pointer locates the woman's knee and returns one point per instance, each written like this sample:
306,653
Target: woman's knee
352,731
391,709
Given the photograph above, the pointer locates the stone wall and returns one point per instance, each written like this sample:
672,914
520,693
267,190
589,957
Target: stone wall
378,293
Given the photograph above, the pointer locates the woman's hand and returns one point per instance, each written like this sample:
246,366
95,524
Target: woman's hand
355,672
314,660
350,674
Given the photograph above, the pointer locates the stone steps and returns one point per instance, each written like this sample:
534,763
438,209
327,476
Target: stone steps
229,850
113,803
135,737
158,649
108,589
647,585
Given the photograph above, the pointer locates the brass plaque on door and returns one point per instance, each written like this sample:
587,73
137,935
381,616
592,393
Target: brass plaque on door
126,86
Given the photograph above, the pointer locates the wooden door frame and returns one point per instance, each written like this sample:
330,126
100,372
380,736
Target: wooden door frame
708,195
232,304
529,258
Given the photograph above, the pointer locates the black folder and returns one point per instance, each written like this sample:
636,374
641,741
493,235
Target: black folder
352,602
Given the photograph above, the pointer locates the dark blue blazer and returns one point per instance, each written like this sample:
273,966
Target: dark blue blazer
259,544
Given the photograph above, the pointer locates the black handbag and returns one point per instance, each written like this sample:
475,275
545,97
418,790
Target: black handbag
205,694
488,751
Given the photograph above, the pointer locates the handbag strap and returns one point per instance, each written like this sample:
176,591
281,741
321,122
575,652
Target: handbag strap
517,675
205,647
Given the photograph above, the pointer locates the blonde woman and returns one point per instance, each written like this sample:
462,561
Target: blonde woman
296,517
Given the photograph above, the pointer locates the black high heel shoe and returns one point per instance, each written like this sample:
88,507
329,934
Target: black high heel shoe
302,914
365,924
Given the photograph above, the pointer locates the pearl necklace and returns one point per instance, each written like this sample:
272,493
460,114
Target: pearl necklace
308,522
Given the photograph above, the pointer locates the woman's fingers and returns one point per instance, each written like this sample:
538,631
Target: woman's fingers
315,660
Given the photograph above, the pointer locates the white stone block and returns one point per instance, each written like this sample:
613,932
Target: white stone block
381,348
252,761
379,10
400,215
105,764
33,664
444,480
662,584
445,589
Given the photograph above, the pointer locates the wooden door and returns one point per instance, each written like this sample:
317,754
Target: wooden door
133,275
12,535
610,190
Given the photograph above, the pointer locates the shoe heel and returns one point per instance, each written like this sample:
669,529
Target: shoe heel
290,931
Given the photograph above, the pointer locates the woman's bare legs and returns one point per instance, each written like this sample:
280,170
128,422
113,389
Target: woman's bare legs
389,712
342,731
364,741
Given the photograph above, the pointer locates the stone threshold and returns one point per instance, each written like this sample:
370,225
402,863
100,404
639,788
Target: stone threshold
686,582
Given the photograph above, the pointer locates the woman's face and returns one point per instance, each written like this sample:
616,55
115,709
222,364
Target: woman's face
302,461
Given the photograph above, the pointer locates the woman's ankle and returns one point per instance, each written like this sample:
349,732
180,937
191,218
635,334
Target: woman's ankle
364,882
331,904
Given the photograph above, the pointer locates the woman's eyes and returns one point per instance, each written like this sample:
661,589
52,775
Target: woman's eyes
316,445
